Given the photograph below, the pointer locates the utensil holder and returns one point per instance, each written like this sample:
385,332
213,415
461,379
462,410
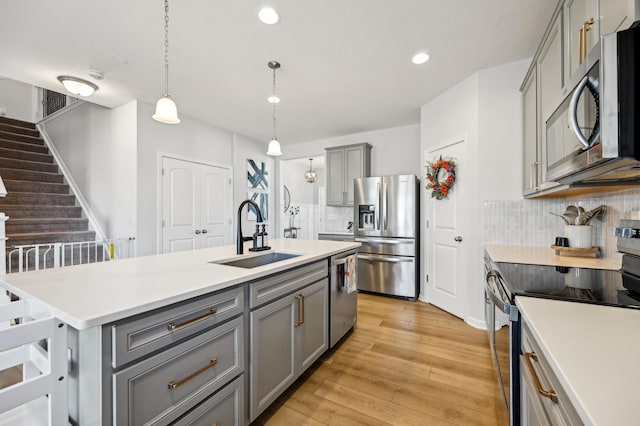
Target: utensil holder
580,236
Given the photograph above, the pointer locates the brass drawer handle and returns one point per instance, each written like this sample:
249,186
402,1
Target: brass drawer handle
173,384
551,394
173,326
302,303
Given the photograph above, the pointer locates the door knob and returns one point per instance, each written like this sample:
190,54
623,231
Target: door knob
197,231
204,231
458,238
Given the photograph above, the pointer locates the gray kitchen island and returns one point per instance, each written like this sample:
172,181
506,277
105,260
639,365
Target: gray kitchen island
184,338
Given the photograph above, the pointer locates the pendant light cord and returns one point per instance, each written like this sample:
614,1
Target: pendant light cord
274,103
166,48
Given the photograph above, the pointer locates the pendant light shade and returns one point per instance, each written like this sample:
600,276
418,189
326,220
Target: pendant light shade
274,146
311,175
166,110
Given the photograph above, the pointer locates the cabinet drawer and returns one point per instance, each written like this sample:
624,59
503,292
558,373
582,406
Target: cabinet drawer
160,388
224,408
133,338
276,286
561,411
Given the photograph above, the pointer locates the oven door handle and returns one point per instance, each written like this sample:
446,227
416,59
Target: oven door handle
592,85
500,304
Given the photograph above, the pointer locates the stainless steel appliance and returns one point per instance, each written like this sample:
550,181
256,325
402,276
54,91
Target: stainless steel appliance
505,281
386,223
343,300
593,137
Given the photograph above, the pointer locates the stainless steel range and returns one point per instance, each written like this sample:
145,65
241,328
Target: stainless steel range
505,281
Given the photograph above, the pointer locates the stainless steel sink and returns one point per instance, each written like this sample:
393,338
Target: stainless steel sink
255,261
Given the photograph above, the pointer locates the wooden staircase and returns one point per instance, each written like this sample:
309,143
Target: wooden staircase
39,205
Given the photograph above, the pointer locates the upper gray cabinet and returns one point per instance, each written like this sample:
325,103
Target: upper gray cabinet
344,164
568,49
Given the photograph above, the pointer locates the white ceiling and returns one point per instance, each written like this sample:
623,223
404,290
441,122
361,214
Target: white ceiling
346,64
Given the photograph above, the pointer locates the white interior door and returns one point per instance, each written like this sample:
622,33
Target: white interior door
196,205
446,255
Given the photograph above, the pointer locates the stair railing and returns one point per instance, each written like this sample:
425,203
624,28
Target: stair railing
56,255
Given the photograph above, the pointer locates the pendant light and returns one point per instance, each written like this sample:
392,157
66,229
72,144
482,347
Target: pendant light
311,175
274,145
166,110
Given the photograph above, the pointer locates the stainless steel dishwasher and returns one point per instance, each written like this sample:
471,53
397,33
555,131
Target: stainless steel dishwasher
343,296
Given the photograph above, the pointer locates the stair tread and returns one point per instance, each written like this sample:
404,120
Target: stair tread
17,123
46,158
49,219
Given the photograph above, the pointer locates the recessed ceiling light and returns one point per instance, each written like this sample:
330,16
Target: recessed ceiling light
268,15
420,58
273,99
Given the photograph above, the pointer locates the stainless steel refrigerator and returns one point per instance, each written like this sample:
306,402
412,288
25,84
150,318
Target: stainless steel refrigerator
386,223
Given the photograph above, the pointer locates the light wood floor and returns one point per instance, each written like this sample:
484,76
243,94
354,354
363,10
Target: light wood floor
407,363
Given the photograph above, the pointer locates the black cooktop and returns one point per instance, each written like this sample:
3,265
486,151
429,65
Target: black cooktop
573,284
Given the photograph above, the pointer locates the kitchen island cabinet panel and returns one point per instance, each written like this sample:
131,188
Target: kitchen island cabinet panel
275,286
149,332
161,388
224,408
287,336
272,366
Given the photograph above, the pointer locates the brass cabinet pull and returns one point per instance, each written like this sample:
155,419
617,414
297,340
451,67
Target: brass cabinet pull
551,394
297,323
582,36
302,303
580,44
173,384
173,326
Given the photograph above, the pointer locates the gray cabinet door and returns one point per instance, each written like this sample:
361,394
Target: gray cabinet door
335,177
272,366
313,334
354,168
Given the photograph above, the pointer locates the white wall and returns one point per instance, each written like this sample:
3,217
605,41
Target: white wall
98,146
191,139
16,100
394,149
486,108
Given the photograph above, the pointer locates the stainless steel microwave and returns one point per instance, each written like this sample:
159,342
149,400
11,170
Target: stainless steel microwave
593,137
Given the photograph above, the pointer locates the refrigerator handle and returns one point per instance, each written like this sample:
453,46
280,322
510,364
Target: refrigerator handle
386,204
379,206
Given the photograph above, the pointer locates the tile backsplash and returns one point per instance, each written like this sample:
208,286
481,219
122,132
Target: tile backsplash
529,221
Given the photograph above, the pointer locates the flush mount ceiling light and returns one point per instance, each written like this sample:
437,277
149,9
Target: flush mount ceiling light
274,145
77,86
166,110
311,176
268,16
420,58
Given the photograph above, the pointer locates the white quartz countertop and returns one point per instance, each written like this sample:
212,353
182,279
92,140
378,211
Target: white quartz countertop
88,295
545,255
348,233
594,351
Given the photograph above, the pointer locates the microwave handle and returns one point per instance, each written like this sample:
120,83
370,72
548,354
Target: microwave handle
592,85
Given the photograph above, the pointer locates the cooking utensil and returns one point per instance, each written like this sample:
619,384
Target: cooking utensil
567,221
571,213
582,217
592,214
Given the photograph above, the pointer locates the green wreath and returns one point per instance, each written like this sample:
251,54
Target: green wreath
440,184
